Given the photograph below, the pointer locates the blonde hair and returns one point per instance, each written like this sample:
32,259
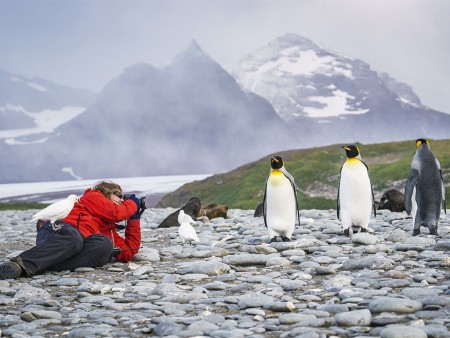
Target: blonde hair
107,187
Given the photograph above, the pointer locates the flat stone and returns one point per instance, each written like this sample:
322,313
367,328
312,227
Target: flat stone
209,268
373,263
365,238
354,318
401,331
294,318
246,259
396,305
419,293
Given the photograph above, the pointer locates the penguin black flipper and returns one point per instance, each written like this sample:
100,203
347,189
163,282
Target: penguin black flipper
265,206
374,207
338,203
443,191
294,187
296,202
409,188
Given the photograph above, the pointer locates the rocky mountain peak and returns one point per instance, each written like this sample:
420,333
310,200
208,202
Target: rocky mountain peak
192,54
325,96
291,39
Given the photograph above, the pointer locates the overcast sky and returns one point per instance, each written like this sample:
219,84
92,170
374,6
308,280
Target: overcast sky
85,43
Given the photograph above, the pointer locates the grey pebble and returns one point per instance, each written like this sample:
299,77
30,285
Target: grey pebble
403,332
396,305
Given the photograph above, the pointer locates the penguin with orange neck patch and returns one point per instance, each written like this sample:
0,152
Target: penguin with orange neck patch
355,200
280,202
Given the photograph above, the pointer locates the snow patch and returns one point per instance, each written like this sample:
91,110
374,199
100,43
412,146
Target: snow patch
405,101
46,120
33,85
333,106
70,171
13,141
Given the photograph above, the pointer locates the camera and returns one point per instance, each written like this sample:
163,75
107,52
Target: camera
141,200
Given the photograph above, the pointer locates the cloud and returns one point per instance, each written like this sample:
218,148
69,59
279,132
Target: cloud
86,43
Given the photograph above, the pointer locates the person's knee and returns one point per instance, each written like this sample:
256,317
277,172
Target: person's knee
103,249
103,244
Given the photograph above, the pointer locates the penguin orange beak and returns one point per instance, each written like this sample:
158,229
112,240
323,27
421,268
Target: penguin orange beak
275,160
345,148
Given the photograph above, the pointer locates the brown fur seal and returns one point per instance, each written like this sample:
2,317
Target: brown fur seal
214,210
392,200
191,208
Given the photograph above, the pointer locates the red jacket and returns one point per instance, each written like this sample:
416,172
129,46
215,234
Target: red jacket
96,214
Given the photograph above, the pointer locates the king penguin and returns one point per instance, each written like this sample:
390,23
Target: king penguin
280,201
424,189
355,200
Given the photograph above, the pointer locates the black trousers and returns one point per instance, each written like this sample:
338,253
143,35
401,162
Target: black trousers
64,249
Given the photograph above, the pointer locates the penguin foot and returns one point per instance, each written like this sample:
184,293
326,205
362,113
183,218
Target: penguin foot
416,232
433,231
369,230
273,239
285,239
348,232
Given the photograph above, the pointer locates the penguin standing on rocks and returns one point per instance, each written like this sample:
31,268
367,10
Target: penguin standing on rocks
355,200
425,189
280,202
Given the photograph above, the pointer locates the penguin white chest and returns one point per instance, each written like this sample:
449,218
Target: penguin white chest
281,205
355,193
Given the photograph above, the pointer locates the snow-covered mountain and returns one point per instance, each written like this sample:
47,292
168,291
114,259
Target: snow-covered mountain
190,117
327,98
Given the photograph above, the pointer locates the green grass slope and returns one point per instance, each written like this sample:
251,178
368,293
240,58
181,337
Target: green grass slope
316,172
21,205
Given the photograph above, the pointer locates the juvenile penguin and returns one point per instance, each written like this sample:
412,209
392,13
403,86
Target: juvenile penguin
280,201
355,200
425,189
186,230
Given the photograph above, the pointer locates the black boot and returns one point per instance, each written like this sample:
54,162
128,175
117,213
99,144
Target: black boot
10,270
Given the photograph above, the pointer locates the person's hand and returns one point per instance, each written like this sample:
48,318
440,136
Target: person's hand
138,214
140,211
135,200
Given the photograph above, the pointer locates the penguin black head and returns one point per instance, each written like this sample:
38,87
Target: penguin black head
276,162
351,151
421,141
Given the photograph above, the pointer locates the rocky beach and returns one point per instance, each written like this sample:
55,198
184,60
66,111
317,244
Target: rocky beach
235,284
